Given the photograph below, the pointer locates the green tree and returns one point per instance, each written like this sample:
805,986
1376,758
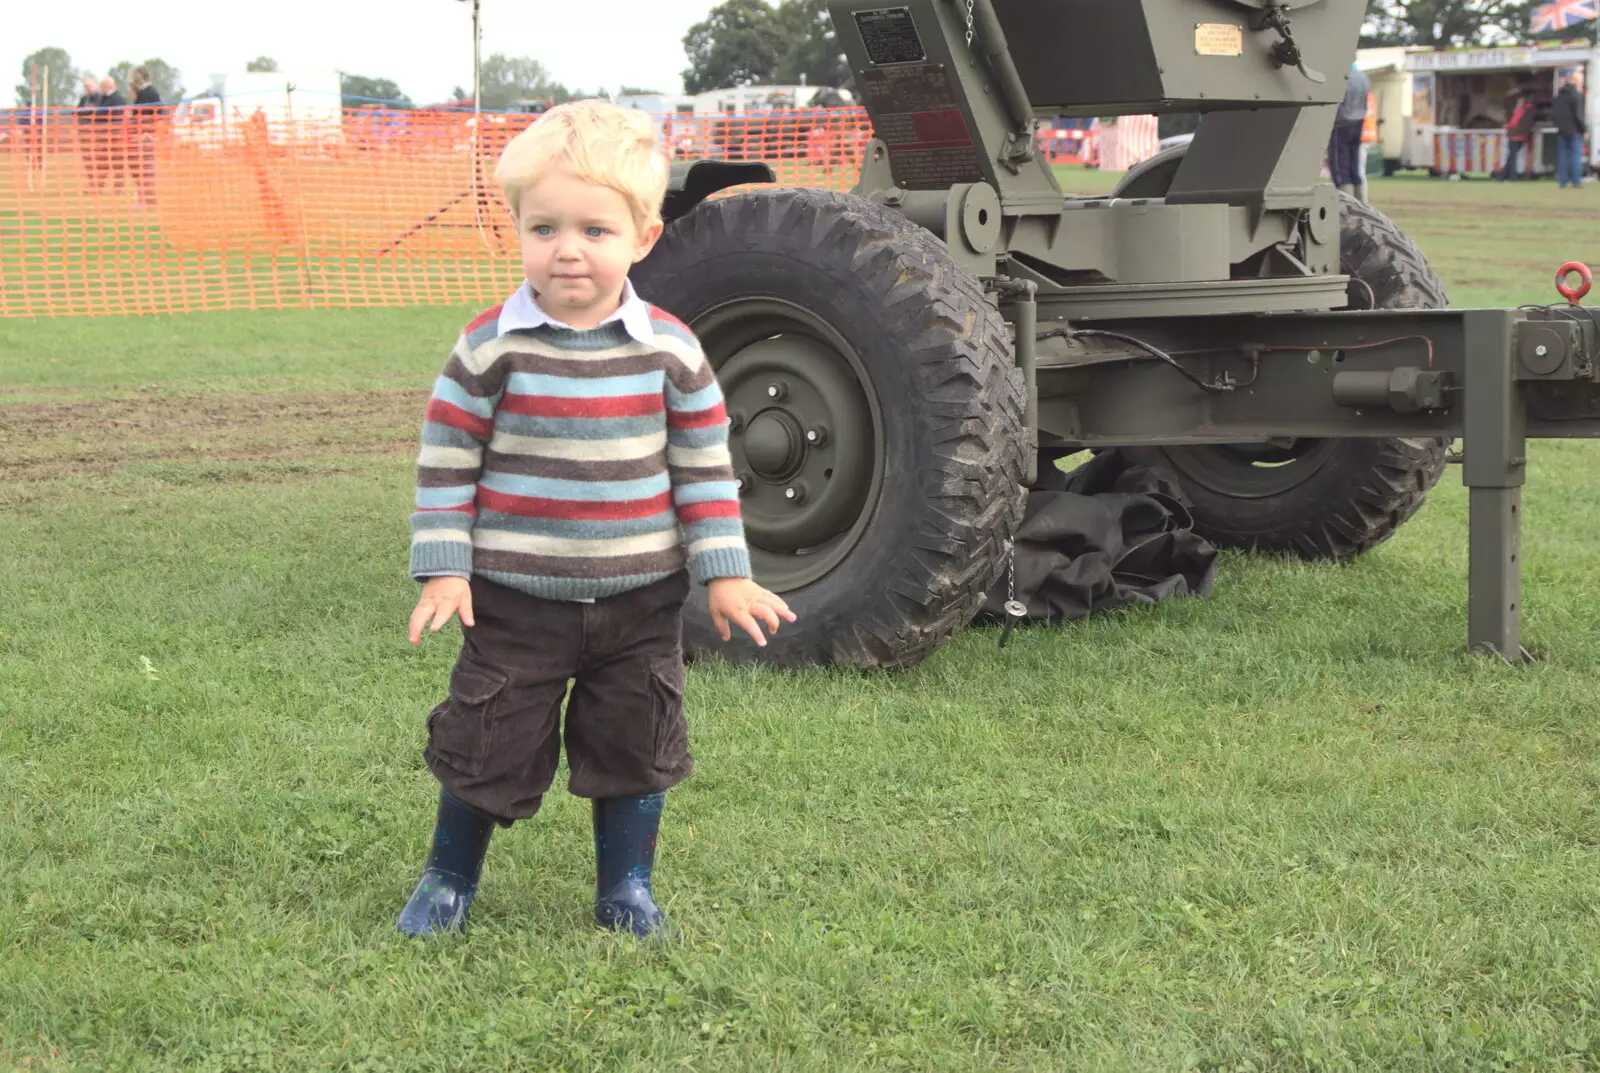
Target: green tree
64,78
262,63
1437,23
163,76
505,79
738,44
635,91
810,50
353,87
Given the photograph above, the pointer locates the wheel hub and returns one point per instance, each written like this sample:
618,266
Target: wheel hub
804,436
774,445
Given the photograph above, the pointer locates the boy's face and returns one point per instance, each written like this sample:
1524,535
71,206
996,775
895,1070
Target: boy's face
578,242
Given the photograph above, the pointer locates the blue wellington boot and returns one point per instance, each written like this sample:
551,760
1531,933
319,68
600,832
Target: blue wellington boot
440,902
625,852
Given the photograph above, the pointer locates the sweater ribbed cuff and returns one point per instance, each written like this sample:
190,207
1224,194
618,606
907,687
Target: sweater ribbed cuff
440,558
719,562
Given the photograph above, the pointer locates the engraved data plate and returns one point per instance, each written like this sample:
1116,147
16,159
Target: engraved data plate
1218,39
890,36
917,115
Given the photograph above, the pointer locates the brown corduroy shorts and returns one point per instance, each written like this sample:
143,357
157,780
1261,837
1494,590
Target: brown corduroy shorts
496,741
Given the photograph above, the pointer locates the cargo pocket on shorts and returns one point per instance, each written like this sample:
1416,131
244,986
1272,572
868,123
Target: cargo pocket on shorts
666,703
460,730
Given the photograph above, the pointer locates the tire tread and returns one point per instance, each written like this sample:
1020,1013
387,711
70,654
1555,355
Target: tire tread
960,355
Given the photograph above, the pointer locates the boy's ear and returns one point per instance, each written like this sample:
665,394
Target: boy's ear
647,241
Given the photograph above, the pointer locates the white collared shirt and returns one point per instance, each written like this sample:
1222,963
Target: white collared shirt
521,311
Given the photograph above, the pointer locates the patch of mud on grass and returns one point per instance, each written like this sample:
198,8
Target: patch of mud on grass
106,446
367,383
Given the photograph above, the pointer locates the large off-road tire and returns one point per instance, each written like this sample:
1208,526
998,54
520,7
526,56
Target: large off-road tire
1153,176
875,419
1322,499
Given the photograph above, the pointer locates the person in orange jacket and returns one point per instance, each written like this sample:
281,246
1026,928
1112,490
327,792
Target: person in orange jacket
1519,138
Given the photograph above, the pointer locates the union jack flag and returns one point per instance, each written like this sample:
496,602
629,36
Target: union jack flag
1560,14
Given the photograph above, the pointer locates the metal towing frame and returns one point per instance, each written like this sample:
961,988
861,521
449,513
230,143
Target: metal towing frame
1111,299
1224,307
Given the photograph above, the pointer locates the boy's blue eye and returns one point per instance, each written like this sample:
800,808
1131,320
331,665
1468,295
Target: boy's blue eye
597,232
543,230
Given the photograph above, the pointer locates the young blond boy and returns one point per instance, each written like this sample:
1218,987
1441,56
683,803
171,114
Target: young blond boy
574,479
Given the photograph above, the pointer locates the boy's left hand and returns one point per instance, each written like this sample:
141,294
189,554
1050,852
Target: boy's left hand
740,601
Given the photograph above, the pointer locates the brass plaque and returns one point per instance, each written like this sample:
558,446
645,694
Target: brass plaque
1218,39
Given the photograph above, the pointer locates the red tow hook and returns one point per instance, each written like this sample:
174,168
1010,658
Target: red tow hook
1565,289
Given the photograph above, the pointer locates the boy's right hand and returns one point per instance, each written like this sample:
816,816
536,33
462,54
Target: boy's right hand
441,598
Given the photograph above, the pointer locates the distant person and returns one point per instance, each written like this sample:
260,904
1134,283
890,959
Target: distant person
561,570
1566,112
86,131
1344,145
90,99
108,121
109,96
142,140
146,98
1519,137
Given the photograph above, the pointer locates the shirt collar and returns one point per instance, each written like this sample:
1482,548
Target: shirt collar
521,311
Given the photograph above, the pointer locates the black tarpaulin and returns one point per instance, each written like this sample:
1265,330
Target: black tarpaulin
1105,535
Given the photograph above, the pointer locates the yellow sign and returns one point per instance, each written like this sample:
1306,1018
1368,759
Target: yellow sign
1218,39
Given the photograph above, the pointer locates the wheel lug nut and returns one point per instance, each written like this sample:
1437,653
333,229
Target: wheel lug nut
736,421
818,436
777,390
795,493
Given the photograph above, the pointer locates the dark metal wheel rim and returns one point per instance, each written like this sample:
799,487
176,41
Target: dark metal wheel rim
806,502
1251,470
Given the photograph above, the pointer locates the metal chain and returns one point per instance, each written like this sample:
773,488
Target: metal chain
969,22
1011,572
1015,612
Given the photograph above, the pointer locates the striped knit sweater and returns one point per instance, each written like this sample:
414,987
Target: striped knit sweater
576,465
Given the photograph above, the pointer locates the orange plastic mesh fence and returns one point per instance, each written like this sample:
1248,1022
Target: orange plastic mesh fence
116,212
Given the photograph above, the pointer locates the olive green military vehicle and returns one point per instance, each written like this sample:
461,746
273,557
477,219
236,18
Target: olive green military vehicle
900,362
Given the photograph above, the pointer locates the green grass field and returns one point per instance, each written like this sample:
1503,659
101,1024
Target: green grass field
1289,827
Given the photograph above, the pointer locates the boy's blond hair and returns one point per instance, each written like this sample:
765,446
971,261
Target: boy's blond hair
599,143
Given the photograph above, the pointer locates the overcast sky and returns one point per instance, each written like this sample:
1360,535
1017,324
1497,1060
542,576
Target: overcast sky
424,45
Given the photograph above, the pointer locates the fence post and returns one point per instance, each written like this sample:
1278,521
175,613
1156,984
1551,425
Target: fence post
44,134
299,198
478,196
32,134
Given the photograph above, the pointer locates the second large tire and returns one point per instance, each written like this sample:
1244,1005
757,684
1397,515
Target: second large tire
1322,499
885,531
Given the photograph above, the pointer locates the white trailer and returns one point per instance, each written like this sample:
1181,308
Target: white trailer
663,108
687,124
747,100
1460,101
299,107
